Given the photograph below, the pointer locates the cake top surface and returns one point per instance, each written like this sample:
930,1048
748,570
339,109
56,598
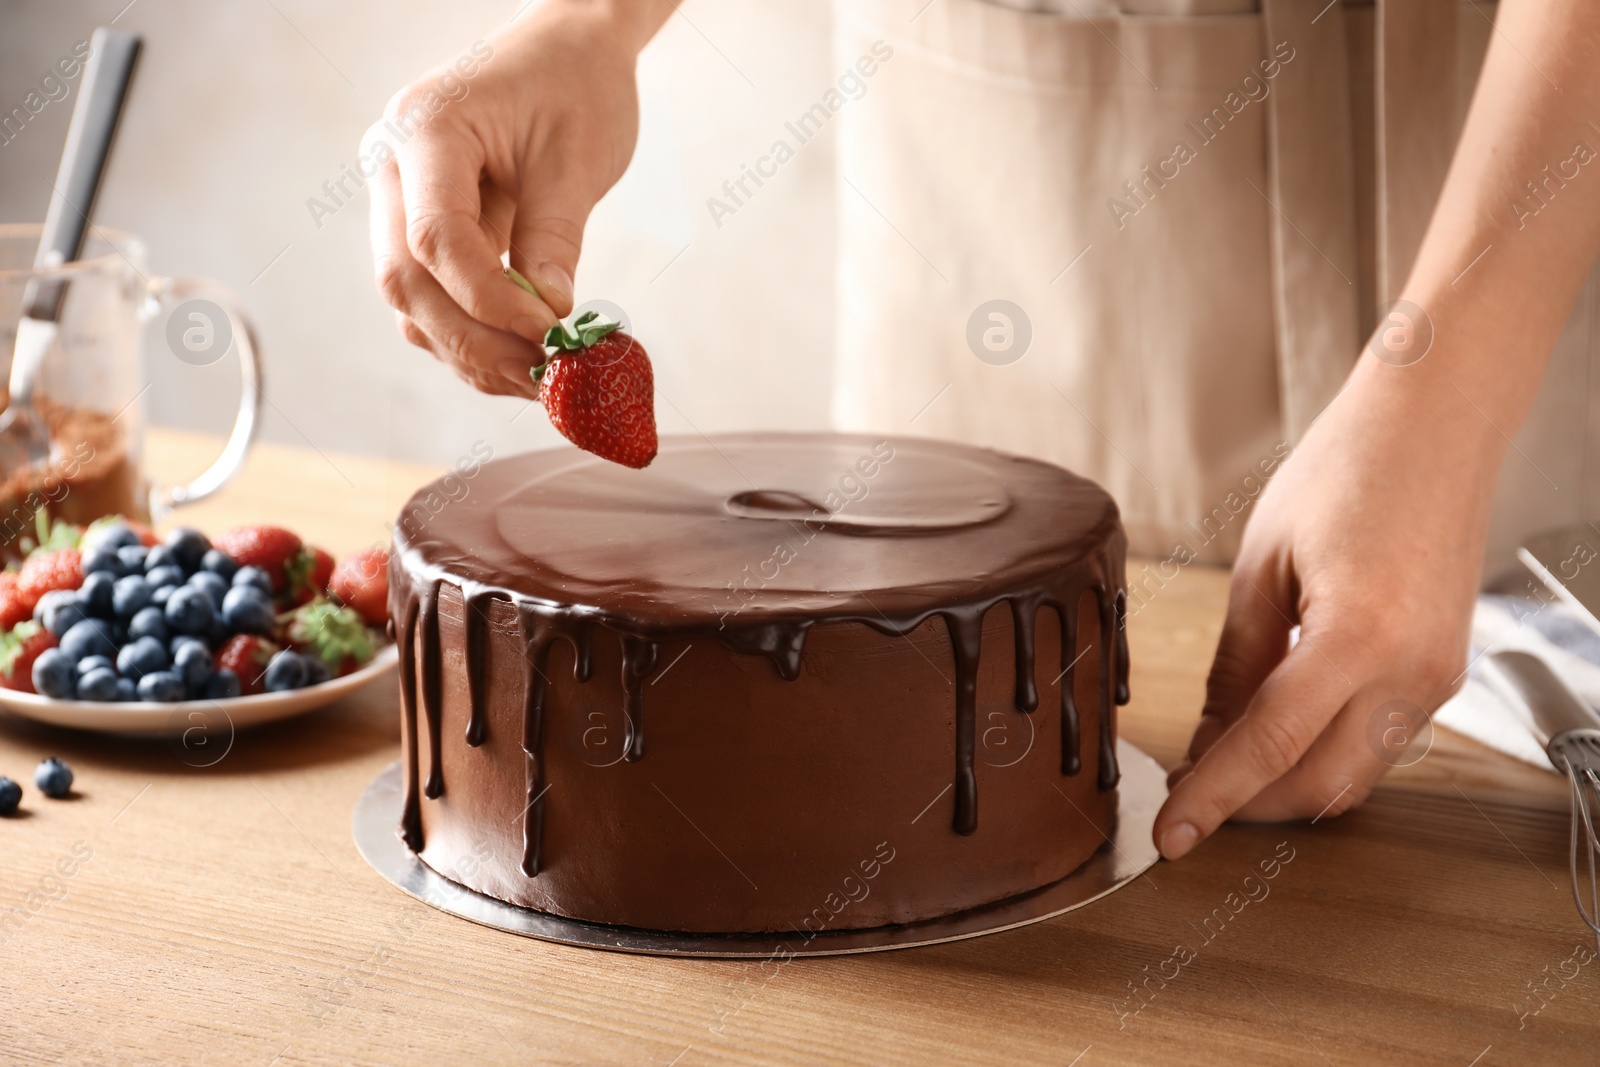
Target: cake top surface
757,527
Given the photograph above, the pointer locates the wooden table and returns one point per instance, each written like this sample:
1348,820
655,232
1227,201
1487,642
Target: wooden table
223,915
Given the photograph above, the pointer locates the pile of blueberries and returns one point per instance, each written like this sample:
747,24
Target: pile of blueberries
144,623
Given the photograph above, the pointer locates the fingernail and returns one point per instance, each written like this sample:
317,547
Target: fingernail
1176,842
531,328
557,288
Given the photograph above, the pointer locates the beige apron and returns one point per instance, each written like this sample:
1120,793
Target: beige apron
1192,209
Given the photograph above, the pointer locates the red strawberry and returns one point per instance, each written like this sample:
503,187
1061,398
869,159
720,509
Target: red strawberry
12,608
335,635
44,572
361,583
599,390
247,656
272,548
308,575
19,647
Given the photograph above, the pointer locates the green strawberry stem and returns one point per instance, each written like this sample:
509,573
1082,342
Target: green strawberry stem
516,276
584,331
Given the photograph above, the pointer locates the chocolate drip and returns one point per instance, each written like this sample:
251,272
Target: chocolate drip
432,690
1071,761
1024,612
784,645
1109,774
638,660
411,818
477,625
536,642
1038,565
1123,696
966,637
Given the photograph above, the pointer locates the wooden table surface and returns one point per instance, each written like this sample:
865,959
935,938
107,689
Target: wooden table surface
223,915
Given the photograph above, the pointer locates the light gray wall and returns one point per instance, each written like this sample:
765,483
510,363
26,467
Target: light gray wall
241,111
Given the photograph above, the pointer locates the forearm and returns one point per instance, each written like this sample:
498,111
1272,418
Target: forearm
635,21
1502,261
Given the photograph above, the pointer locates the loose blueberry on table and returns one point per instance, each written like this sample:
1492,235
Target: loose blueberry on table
10,796
110,613
53,777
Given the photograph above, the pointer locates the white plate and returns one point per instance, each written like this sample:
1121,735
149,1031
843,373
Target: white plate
151,717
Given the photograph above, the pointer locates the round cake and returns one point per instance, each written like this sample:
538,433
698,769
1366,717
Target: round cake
772,682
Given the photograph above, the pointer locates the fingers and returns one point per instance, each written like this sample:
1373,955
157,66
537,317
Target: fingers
546,237
1281,722
439,177
491,360
1255,639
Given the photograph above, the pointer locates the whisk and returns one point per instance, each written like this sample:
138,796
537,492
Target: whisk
1570,731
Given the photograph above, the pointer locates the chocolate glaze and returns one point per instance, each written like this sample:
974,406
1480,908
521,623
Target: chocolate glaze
752,540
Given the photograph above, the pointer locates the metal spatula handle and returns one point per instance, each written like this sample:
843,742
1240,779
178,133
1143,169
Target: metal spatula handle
112,56
1556,709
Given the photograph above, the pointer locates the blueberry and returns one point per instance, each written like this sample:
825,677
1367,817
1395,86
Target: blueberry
219,633
129,595
141,657
317,671
212,585
119,631
161,595
189,546
98,685
254,576
58,609
119,536
10,796
162,686
127,690
53,777
53,675
102,560
95,592
160,556
247,610
149,622
219,563
189,611
176,645
224,685
132,558
168,575
94,663
193,661
91,637
286,670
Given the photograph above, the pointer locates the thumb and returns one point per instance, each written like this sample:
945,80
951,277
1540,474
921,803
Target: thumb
546,236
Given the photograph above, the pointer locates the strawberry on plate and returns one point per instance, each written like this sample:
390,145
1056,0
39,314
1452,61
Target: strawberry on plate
335,635
275,550
308,574
46,571
361,583
13,609
247,656
599,390
19,647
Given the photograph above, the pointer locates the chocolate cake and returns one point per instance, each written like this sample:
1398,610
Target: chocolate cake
771,682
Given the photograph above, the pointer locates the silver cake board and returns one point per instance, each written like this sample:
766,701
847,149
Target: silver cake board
1126,855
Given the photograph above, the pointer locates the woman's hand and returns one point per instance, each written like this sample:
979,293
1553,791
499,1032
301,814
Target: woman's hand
1370,539
514,163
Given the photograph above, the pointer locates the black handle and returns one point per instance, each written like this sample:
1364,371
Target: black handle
112,56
